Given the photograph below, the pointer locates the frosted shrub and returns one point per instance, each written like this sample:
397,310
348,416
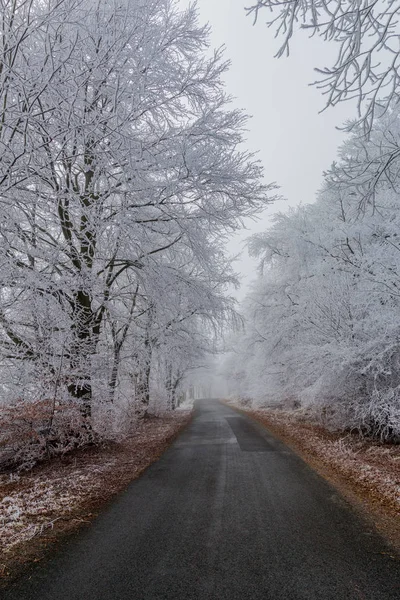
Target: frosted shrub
380,415
33,431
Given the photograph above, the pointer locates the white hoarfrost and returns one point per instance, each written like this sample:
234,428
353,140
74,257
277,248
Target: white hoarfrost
63,493
366,34
322,319
122,173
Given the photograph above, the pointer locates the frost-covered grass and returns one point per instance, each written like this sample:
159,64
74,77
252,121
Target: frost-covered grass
63,493
40,504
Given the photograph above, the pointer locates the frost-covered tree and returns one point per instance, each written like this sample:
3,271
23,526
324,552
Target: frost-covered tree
322,325
366,69
123,173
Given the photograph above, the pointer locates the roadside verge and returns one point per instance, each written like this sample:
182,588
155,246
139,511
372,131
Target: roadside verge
367,473
40,507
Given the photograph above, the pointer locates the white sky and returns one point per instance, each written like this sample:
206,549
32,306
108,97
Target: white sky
295,143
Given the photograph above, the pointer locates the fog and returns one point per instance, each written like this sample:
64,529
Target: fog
295,141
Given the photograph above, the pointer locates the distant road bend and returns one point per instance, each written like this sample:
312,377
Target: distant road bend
228,513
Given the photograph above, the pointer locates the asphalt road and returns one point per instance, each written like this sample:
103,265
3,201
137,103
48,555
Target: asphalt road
228,513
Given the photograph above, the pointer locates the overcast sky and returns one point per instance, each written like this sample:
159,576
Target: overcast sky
295,143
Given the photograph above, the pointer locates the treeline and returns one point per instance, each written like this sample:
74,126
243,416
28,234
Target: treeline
121,173
322,323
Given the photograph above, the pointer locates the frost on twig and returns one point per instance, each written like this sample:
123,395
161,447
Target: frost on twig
367,67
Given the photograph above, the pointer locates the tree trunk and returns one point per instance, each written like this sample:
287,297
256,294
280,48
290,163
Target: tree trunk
143,391
82,349
114,371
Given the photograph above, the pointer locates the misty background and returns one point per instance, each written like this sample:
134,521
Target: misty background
295,141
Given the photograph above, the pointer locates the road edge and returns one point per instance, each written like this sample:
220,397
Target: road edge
15,563
384,520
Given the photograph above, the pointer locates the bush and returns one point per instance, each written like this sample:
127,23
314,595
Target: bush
34,431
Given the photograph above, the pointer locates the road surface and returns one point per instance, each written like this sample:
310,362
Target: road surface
228,513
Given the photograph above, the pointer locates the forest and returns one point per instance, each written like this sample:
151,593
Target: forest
121,176
321,321
123,173
199,389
